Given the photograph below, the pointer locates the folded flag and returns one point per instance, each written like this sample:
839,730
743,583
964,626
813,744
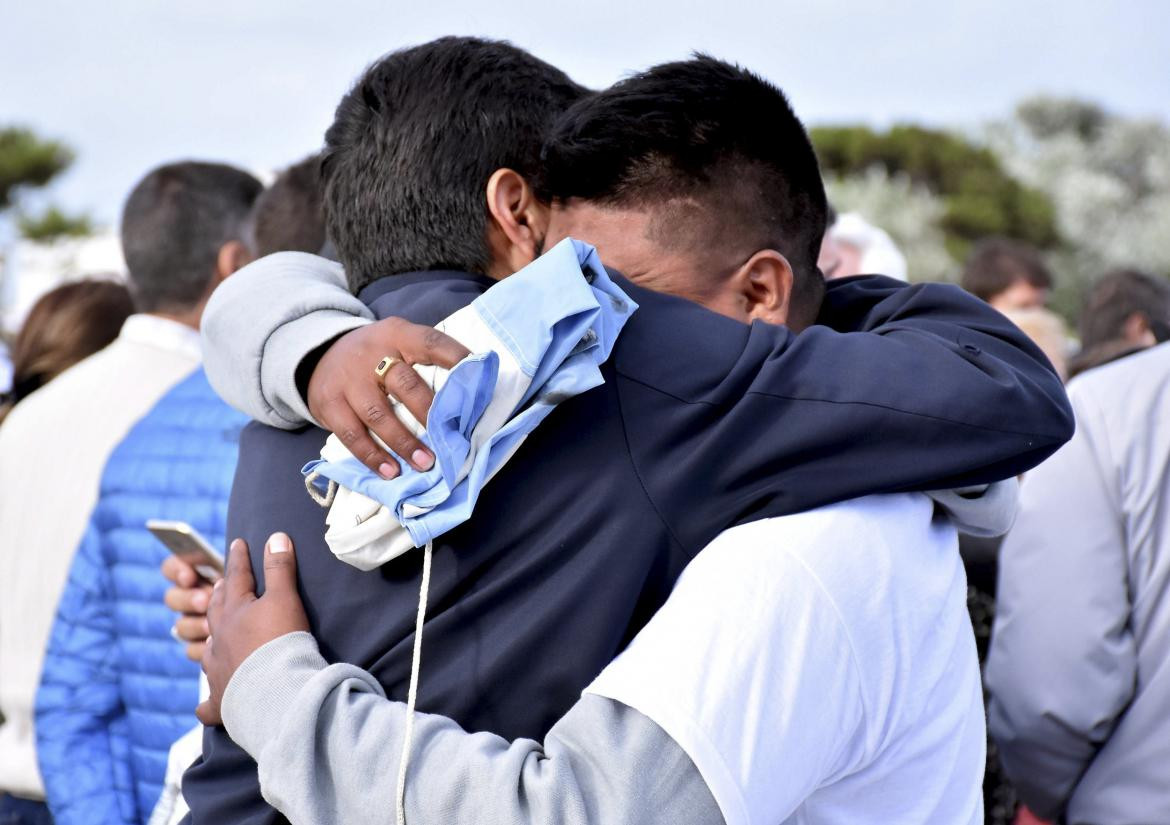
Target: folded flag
538,338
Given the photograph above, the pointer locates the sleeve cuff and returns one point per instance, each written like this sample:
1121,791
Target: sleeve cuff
265,686
284,350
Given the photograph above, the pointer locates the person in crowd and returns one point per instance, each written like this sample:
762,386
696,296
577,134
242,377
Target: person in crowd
602,457
854,246
1007,274
155,348
65,325
115,689
1125,312
981,559
1078,674
289,214
185,449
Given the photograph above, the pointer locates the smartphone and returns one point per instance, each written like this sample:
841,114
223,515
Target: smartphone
185,542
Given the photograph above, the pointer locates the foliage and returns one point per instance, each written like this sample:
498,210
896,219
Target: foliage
1108,177
53,224
28,161
1089,187
978,197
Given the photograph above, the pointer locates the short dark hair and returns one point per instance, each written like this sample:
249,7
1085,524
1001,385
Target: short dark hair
289,215
705,133
414,142
1118,296
173,225
995,264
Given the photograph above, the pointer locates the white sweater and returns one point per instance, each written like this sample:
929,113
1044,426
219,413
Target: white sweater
53,448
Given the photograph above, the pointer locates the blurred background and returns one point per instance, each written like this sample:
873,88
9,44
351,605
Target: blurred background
941,123
1019,147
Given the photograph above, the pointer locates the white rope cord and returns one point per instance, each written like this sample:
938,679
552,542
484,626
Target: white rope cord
412,692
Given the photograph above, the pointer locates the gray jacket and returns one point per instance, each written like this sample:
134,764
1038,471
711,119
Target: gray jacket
1079,668
327,743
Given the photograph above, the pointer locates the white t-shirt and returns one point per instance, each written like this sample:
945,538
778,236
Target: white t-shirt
821,668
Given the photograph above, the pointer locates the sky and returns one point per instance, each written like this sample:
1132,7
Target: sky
130,85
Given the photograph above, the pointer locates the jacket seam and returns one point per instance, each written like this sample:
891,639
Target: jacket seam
638,474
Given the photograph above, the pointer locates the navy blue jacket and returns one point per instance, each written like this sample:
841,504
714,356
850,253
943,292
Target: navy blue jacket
703,423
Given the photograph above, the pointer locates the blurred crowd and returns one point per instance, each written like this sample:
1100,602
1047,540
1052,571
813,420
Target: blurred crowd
109,420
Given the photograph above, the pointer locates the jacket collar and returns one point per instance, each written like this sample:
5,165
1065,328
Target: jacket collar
156,331
390,283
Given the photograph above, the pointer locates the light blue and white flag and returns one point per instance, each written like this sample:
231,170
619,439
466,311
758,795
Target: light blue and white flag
538,338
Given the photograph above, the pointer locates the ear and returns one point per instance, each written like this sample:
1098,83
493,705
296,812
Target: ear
764,283
1136,330
232,255
518,222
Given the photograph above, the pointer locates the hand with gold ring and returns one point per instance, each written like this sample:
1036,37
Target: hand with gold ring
349,385
384,366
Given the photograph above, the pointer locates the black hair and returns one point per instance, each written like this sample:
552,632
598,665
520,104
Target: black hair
714,147
173,225
414,142
289,215
1116,298
830,216
995,264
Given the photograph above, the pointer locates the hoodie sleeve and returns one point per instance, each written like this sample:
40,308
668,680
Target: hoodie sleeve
328,743
983,511
81,742
263,321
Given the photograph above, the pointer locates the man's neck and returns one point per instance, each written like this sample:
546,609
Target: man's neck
189,318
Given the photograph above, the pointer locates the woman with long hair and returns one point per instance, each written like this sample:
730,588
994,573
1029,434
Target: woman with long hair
65,325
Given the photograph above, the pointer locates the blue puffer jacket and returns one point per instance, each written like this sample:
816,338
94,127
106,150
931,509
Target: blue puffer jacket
116,689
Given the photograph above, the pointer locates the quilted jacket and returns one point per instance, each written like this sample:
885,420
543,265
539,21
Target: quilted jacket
116,689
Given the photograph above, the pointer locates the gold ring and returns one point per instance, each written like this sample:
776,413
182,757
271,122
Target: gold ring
384,365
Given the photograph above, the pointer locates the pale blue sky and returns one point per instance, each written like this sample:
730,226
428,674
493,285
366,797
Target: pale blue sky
132,84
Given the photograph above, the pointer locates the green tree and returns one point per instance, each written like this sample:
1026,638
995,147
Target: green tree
53,224
28,162
979,198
